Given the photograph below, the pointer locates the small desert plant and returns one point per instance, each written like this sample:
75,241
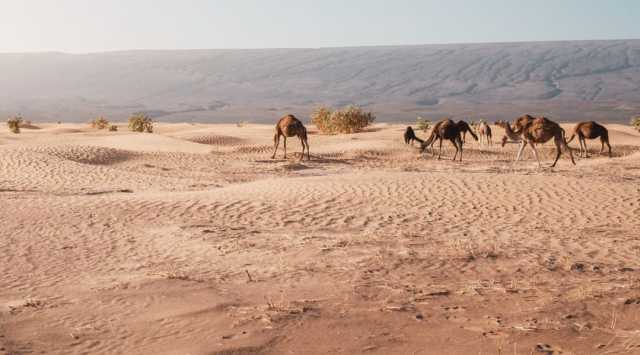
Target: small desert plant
423,124
635,122
242,124
100,123
348,120
113,128
140,122
14,124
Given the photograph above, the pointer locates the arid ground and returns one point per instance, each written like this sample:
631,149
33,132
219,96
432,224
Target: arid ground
192,240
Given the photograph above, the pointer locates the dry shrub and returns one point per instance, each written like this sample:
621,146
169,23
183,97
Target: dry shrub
348,120
423,124
242,123
14,124
100,123
140,122
113,128
635,122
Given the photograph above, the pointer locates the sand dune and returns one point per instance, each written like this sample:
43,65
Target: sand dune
193,241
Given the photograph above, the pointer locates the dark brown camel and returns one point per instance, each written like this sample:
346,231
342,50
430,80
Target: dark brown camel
452,131
410,136
290,126
590,130
539,130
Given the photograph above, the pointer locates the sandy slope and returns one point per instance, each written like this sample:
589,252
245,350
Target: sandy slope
193,241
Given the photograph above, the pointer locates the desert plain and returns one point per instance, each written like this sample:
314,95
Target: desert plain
192,240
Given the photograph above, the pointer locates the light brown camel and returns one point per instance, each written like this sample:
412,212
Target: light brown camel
590,130
290,126
452,131
515,127
540,130
484,132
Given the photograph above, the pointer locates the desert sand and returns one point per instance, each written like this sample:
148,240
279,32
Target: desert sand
192,240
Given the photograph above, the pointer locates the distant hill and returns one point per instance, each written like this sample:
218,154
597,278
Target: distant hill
565,80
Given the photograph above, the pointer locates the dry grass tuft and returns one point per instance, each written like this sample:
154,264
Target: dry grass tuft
178,275
635,122
28,303
348,120
113,128
99,123
423,124
139,122
14,124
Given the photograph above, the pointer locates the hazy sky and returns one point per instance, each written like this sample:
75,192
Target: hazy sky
105,25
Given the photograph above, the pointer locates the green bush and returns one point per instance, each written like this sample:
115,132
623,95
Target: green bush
100,123
14,124
348,120
422,124
635,122
140,122
113,128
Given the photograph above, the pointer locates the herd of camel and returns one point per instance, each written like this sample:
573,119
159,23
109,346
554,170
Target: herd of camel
526,130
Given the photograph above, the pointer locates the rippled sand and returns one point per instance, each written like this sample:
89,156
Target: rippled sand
193,241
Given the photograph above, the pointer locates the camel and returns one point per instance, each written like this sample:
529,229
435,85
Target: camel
517,126
289,126
484,131
539,130
590,130
464,128
410,136
447,129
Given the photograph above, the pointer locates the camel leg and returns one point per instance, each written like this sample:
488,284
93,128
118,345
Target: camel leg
535,154
285,146
558,151
605,140
601,145
460,144
306,142
522,145
440,152
302,143
586,150
455,144
276,141
563,143
581,147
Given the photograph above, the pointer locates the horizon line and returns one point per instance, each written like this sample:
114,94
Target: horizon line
313,48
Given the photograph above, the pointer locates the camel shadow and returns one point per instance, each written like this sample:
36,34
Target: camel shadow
314,159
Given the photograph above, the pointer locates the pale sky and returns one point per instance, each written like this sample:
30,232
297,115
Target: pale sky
81,26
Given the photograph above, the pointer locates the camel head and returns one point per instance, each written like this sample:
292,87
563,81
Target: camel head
423,147
506,126
504,141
